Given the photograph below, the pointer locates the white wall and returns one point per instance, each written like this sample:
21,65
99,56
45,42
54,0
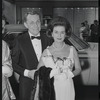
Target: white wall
89,64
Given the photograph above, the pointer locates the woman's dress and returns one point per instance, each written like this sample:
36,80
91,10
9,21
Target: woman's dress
7,92
63,82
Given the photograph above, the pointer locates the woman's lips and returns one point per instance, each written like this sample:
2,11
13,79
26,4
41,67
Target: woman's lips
59,38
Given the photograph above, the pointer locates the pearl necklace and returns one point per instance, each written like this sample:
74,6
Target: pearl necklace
58,49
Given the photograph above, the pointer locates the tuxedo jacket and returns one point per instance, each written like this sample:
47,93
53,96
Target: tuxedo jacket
24,57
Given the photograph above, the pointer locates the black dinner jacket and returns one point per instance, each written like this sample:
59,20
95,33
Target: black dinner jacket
23,54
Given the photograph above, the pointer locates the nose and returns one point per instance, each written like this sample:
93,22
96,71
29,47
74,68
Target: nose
35,24
59,34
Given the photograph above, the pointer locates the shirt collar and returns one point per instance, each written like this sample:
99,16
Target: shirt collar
30,34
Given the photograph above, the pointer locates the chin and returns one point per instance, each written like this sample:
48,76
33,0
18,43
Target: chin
60,40
36,32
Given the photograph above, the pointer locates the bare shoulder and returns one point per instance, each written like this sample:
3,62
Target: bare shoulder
4,44
75,52
50,48
45,51
67,47
74,49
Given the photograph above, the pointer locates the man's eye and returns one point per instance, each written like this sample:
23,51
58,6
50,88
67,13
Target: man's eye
62,32
56,32
38,22
32,23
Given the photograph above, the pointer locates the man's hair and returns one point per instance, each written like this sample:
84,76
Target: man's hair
31,13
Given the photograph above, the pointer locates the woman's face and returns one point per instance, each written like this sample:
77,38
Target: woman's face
59,33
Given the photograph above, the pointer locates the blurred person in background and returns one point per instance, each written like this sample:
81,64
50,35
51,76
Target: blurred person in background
3,26
87,33
94,31
7,71
81,30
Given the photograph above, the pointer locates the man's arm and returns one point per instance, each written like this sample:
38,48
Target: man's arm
15,58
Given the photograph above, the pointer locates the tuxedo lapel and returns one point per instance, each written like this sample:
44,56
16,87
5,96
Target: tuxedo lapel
43,41
29,47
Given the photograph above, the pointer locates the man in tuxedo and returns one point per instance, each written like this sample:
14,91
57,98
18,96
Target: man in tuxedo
26,53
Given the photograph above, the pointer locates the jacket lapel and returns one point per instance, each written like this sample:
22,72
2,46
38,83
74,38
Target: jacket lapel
43,41
30,48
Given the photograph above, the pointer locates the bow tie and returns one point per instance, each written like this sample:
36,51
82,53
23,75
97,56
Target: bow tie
33,37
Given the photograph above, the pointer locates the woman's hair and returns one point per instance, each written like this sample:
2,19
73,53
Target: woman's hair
59,21
5,19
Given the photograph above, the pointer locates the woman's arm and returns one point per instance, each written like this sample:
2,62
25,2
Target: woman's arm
6,60
77,63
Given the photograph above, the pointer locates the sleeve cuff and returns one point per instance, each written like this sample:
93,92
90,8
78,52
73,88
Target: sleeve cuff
26,72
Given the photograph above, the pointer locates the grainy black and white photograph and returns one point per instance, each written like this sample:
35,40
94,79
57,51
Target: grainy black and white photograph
50,50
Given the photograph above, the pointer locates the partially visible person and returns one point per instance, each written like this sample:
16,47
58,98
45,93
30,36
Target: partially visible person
60,62
5,35
26,53
94,31
3,26
4,22
87,33
81,30
8,40
7,71
87,26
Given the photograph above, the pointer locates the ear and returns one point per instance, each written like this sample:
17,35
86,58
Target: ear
52,34
65,35
25,24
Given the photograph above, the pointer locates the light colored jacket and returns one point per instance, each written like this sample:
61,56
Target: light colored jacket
7,70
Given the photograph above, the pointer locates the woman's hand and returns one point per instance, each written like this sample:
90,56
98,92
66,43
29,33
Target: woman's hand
70,67
6,71
54,72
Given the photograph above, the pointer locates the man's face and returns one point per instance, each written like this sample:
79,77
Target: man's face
33,24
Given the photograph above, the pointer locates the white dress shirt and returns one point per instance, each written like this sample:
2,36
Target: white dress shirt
37,48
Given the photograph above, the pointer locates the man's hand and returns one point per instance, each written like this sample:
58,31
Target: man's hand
31,74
